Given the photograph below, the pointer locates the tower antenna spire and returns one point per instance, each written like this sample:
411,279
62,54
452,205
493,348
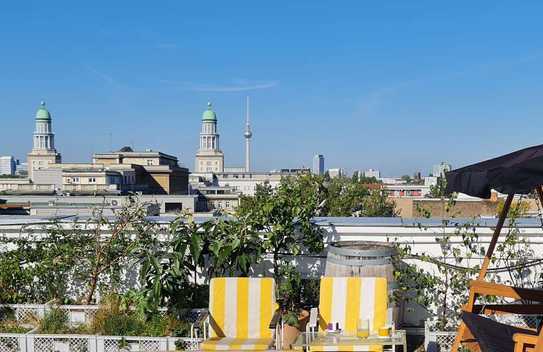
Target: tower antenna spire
248,134
248,113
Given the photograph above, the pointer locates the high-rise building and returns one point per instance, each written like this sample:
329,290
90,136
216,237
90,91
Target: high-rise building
440,169
21,169
372,173
318,164
7,165
43,151
248,134
337,172
209,157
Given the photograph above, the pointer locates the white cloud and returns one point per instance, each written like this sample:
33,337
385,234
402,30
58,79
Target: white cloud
233,87
101,75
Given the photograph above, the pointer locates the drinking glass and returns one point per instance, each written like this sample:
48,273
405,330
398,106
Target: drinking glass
384,331
363,329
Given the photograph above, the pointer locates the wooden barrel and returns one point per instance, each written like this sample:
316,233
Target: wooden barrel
365,259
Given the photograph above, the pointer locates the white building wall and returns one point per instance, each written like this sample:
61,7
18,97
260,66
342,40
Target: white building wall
48,176
372,173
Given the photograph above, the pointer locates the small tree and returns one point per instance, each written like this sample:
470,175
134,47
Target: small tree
234,246
166,266
70,260
284,217
109,253
170,267
438,190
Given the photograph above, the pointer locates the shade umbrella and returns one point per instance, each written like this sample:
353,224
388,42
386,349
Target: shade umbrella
519,172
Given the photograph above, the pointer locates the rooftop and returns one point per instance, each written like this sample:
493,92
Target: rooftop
323,221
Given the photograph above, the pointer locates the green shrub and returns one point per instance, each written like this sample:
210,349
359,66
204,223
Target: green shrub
122,325
12,327
180,328
310,292
157,325
55,321
7,313
122,316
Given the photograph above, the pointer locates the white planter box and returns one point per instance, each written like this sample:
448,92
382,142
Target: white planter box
31,342
92,343
439,341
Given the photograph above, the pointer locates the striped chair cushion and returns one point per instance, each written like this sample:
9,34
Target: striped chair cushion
241,308
345,347
234,344
348,299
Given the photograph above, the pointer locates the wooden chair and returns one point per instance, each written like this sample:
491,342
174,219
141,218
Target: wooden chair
479,288
493,336
523,341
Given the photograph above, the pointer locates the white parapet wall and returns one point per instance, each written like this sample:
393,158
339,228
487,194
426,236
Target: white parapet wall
93,343
419,233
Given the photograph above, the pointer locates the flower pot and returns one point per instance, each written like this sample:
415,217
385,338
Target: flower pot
291,333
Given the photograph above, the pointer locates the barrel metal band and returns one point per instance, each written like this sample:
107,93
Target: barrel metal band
387,252
359,262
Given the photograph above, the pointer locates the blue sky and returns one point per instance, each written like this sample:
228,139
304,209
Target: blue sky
397,86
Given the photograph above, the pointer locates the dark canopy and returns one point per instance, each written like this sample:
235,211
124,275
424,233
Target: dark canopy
491,335
517,173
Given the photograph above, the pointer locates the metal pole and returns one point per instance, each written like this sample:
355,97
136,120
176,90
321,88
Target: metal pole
539,191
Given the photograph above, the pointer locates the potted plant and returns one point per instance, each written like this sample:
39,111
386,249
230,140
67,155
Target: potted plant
294,314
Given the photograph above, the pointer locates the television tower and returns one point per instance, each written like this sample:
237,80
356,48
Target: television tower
247,134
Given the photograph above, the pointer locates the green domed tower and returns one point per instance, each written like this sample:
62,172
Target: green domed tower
43,149
209,157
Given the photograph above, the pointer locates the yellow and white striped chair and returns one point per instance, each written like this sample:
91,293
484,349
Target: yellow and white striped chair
346,300
241,310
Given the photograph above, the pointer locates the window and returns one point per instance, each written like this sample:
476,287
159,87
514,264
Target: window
92,179
173,207
227,204
149,162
